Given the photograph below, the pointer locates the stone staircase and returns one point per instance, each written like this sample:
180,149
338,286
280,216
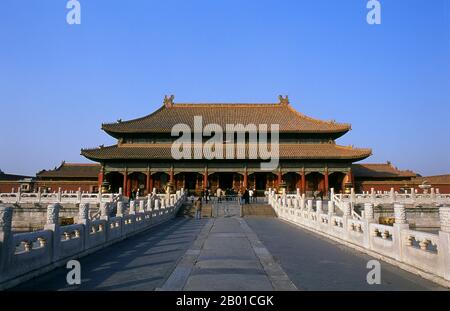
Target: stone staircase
264,210
187,210
221,210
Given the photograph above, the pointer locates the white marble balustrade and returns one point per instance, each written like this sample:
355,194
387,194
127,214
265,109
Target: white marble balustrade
423,253
26,255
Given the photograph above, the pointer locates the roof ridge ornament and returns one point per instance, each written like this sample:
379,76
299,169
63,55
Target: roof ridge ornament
283,100
168,100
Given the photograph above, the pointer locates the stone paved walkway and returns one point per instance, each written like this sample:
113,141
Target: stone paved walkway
227,256
314,262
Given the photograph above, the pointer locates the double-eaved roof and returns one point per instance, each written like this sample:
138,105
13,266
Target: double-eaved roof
170,114
163,119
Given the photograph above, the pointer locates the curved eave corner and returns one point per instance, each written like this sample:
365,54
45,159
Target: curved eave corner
368,153
85,153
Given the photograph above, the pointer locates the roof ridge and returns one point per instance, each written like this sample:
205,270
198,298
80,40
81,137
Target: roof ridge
182,105
302,115
81,164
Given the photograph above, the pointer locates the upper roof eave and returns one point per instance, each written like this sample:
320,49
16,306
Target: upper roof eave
316,125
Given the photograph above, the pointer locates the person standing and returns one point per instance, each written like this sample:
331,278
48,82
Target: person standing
198,208
250,193
206,195
246,196
219,195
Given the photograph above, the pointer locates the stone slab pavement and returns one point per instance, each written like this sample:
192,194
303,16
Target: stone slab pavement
313,262
228,256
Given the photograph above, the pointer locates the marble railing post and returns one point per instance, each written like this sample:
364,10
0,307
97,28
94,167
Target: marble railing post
83,219
132,208
319,207
444,241
413,195
433,195
444,218
19,194
6,237
392,195
157,204
373,195
330,208
39,195
352,197
53,225
296,199
83,214
79,195
141,206
347,209
105,210
59,195
399,225
368,219
120,210
309,208
149,203
400,214
302,202
368,211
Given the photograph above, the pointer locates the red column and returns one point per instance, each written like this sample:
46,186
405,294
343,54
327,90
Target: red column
350,177
280,180
128,187
171,175
205,179
303,188
149,182
326,181
244,184
100,178
125,183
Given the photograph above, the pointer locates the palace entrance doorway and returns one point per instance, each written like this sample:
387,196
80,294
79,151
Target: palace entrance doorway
225,180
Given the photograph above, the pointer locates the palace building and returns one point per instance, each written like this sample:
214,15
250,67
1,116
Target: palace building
309,157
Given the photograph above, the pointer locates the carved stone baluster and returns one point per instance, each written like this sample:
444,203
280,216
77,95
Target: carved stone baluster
424,244
28,245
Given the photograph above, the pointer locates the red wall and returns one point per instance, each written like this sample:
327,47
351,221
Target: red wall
8,185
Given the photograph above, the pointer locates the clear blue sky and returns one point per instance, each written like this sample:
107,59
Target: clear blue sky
59,82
